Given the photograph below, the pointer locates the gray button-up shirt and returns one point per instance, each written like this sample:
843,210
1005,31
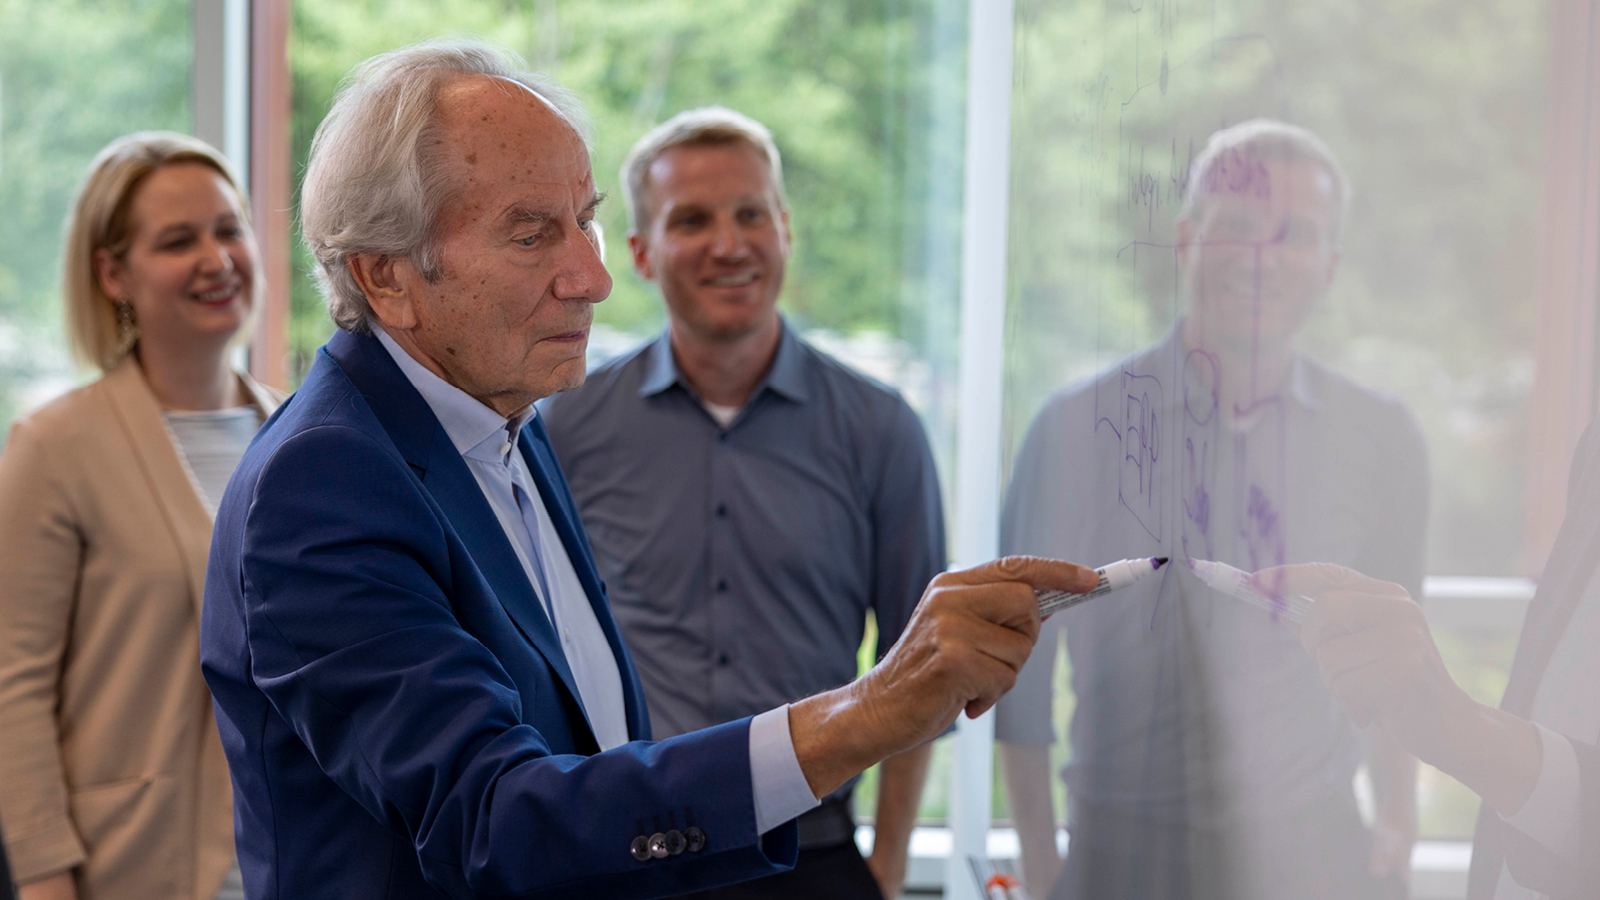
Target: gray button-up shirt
1193,707
741,562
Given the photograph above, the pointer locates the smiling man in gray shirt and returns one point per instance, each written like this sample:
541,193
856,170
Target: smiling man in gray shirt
749,499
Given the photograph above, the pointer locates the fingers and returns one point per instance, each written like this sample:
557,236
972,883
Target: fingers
968,640
995,677
1035,571
980,658
1004,645
1349,611
1368,671
1347,653
1008,603
1316,579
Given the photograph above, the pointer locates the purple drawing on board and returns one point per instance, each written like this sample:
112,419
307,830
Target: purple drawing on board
1198,470
1141,450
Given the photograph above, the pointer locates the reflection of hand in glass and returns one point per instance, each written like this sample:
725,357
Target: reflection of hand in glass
1377,655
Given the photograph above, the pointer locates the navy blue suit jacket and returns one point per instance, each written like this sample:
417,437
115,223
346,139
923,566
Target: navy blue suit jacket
397,713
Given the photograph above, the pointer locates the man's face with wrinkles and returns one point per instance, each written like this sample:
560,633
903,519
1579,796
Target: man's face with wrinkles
508,319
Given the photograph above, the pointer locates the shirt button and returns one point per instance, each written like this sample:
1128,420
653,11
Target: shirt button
722,510
567,633
640,848
505,449
722,585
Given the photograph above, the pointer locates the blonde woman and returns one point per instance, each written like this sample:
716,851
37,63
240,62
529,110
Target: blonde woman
112,777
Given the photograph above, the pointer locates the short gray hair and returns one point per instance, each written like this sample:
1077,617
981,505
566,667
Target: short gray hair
374,183
707,125
1228,163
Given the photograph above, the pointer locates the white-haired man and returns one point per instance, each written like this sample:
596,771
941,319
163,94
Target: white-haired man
1208,760
418,682
807,491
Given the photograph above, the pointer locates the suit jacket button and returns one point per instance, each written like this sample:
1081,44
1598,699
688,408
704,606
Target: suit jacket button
641,848
696,838
658,845
676,843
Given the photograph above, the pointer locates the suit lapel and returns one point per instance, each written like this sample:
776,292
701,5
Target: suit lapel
420,438
139,414
451,483
557,498
185,515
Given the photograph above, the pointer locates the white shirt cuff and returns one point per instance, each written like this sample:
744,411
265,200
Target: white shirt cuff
777,785
1550,815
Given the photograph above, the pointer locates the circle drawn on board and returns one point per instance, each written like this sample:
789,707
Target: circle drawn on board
1200,393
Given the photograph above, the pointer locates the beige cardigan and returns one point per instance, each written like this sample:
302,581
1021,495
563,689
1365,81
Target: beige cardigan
109,757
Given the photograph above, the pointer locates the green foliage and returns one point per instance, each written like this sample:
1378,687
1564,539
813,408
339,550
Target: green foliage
74,74
1433,298
854,94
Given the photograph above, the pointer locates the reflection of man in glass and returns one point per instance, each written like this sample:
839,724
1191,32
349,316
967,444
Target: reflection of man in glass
1207,758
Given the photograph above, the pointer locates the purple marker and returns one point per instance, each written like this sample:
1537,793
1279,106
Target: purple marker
1113,577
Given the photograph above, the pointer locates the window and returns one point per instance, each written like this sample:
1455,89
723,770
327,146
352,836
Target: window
1442,116
73,76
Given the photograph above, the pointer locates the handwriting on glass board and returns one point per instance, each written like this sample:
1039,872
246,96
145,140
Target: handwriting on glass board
1141,450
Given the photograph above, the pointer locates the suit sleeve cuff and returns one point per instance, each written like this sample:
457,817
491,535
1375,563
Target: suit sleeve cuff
1551,815
777,786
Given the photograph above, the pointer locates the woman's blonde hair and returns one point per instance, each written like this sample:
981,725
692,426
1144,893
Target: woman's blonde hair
100,220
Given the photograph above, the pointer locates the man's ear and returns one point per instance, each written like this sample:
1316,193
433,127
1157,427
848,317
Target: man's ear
112,275
387,281
1185,241
640,251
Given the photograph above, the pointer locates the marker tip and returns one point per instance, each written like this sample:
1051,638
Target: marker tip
1159,561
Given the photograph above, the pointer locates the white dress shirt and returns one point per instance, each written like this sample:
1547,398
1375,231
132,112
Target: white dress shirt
483,438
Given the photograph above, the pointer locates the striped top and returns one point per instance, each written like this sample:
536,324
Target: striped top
211,443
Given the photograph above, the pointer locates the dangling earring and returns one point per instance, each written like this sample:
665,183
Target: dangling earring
127,329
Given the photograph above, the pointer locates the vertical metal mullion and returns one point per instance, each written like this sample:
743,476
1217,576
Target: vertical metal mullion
984,243
221,78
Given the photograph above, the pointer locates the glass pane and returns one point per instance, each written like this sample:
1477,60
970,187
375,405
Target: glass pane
863,99
73,75
1237,358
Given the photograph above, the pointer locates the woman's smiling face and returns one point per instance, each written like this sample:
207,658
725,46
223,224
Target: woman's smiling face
189,270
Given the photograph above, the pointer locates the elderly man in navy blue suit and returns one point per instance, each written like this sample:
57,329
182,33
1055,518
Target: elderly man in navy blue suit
419,684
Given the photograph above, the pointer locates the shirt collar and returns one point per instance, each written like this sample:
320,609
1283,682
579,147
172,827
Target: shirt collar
1302,380
786,377
468,423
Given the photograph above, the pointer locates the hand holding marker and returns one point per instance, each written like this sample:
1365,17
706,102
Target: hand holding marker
1113,576
1238,584
1219,576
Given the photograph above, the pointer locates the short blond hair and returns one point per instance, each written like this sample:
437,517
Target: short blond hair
705,126
101,220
